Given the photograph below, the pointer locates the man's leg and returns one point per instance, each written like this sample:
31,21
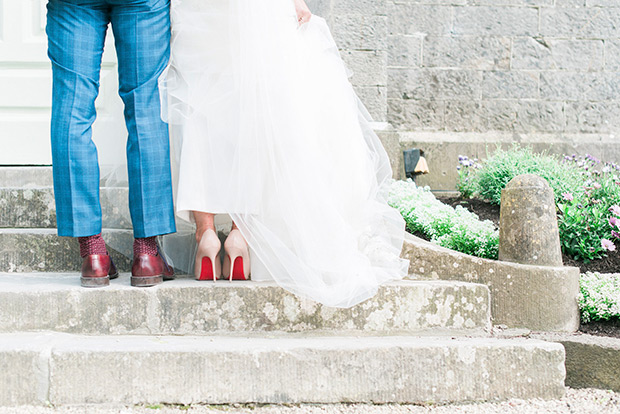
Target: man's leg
76,35
142,34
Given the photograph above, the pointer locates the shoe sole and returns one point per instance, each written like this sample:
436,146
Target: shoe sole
146,281
95,282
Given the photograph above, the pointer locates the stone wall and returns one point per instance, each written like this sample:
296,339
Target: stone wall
459,76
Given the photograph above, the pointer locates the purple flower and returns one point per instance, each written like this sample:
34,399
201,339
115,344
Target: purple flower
615,210
615,234
567,196
608,245
613,222
596,186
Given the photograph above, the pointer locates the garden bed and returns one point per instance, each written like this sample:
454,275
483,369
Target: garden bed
488,211
610,264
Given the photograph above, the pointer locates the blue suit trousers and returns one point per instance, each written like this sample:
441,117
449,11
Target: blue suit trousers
76,32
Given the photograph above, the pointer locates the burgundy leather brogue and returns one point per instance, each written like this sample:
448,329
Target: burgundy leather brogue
149,270
97,270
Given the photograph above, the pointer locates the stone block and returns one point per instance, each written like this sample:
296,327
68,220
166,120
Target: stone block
405,50
603,3
25,177
41,250
539,298
515,2
509,85
536,116
35,208
434,84
391,143
257,307
415,19
467,52
612,54
583,22
416,114
499,21
579,86
528,232
29,207
591,361
359,7
369,67
588,117
184,370
360,32
56,302
570,3
374,99
20,374
503,115
464,115
559,54
321,8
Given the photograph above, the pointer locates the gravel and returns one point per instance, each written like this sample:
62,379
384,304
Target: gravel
582,401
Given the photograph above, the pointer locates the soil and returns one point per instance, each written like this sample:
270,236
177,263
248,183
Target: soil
602,328
488,211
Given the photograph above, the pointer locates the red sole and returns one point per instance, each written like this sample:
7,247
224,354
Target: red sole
237,272
206,269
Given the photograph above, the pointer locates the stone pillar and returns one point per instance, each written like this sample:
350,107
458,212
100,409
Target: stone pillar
528,231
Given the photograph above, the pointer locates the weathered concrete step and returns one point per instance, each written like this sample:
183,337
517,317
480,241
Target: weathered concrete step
591,361
66,369
41,250
35,208
25,177
56,302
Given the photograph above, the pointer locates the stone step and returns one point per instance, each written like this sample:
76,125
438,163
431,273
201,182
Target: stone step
56,302
26,177
35,208
63,369
41,250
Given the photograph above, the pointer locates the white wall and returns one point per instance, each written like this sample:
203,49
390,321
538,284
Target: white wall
25,89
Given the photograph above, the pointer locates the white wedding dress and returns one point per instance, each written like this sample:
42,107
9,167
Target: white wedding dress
267,128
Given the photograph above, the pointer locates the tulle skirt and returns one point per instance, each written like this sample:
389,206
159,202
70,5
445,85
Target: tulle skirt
267,128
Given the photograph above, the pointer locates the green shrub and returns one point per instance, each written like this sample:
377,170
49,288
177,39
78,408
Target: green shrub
586,192
486,180
453,228
599,298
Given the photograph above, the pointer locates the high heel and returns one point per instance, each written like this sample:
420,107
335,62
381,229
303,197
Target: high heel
237,259
208,265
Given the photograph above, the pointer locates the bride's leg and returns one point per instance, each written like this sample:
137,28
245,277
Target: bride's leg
208,264
204,221
237,256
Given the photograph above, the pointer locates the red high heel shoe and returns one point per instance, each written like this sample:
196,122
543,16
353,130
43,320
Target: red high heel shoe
208,265
237,259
